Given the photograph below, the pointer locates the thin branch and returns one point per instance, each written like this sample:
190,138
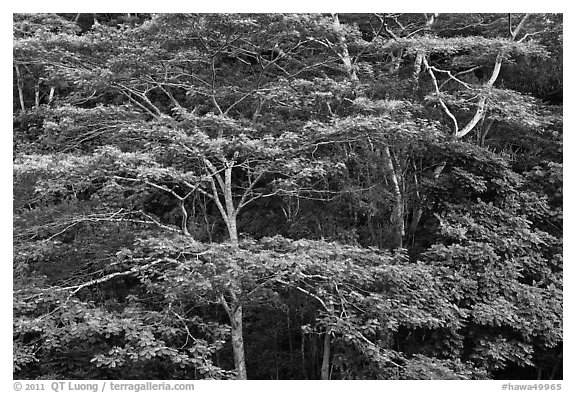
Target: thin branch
226,307
158,223
460,73
169,95
240,100
155,111
450,75
158,186
243,200
214,173
514,34
529,35
435,81
213,87
63,230
139,104
216,200
304,291
136,269
481,107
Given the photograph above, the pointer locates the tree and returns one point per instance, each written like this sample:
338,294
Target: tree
286,196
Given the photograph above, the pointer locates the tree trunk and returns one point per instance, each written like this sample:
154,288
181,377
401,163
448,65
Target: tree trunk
232,227
184,224
325,373
344,55
231,211
417,210
420,55
397,216
416,216
20,84
373,235
238,343
234,311
37,95
51,95
227,210
417,68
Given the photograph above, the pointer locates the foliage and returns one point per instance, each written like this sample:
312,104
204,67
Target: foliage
287,196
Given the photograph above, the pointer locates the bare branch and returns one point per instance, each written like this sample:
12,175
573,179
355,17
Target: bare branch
158,223
213,86
460,73
514,33
136,269
142,96
446,110
530,35
214,173
240,100
450,75
138,104
243,200
303,291
481,106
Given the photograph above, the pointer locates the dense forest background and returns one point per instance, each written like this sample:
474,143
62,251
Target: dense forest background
287,196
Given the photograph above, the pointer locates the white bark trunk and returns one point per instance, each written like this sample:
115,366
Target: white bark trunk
51,95
20,84
397,216
37,95
344,54
234,311
238,343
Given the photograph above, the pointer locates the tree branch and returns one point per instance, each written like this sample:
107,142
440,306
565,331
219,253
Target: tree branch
304,291
136,269
435,82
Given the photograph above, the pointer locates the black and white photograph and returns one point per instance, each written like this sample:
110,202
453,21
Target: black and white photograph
287,196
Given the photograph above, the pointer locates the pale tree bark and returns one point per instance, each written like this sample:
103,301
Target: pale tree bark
481,105
181,199
417,67
227,209
20,84
37,95
459,133
418,62
344,54
221,183
234,310
417,210
184,224
478,115
51,95
229,201
397,215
